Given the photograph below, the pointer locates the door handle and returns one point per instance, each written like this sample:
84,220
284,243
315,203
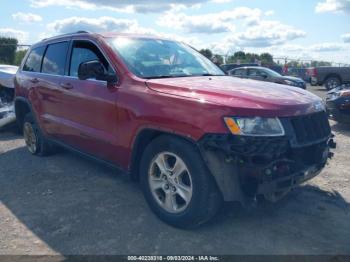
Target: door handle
66,85
34,80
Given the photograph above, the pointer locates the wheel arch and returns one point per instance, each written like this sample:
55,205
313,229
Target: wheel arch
333,75
143,138
22,107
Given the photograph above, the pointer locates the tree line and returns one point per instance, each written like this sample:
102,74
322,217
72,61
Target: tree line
8,51
9,54
242,57
264,59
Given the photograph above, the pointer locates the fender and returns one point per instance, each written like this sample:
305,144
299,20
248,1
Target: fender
143,136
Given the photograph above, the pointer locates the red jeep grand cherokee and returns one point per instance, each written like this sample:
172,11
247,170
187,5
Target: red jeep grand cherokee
161,111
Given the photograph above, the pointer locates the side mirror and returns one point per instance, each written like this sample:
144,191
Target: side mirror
95,69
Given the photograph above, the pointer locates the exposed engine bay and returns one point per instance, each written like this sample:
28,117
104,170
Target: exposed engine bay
269,166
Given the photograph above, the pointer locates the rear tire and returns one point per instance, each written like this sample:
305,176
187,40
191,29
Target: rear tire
35,141
332,82
202,195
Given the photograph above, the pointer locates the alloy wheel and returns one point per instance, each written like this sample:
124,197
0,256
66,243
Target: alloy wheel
332,83
170,182
30,137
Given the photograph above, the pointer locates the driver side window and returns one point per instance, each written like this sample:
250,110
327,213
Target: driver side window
84,51
254,72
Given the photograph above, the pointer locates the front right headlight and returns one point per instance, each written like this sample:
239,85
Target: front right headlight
290,83
254,126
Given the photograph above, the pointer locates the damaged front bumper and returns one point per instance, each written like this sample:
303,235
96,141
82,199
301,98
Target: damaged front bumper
245,167
7,94
7,114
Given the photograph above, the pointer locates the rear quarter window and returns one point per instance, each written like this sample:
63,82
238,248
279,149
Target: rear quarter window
33,62
55,58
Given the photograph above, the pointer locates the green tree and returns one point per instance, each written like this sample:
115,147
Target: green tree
8,48
266,58
320,63
19,56
240,55
218,59
207,53
237,56
252,58
323,63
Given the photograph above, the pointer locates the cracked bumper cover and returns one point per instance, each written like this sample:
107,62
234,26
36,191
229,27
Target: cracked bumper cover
248,166
7,115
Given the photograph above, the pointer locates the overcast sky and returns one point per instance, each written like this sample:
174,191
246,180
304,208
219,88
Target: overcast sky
309,29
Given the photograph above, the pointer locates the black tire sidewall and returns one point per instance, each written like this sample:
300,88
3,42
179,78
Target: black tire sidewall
29,119
330,79
203,185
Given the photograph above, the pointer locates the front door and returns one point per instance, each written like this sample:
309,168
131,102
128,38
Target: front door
89,105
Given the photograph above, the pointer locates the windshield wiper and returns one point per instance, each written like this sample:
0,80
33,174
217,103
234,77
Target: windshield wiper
174,76
210,75
165,76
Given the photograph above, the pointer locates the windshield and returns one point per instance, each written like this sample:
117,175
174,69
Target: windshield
271,72
154,58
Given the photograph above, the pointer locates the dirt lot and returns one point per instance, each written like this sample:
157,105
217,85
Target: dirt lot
65,204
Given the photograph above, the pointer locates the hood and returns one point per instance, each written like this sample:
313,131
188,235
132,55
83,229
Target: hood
243,96
292,78
7,74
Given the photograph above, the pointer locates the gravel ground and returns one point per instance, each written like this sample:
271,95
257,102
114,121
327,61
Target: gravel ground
65,204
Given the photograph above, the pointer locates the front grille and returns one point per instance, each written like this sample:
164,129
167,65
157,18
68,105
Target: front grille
310,128
246,145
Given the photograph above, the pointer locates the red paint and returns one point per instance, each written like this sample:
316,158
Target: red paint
104,121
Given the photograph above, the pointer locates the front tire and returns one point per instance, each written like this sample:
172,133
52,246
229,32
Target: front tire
177,184
35,141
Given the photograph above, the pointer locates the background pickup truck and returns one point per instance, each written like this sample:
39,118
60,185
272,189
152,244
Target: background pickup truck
331,77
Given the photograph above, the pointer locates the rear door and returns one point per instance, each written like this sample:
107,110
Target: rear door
28,77
257,74
239,72
345,74
49,88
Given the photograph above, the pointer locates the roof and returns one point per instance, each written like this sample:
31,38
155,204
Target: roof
104,35
116,34
250,67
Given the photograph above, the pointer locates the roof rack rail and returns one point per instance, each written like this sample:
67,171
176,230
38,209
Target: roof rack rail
78,32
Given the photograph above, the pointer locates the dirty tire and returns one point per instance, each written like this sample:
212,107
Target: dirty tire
41,146
205,198
332,82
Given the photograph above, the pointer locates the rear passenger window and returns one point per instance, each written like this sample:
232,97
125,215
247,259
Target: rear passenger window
255,72
33,62
55,59
238,72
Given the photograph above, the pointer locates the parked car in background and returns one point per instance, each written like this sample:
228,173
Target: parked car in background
267,75
338,103
169,117
7,94
227,67
300,73
329,76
